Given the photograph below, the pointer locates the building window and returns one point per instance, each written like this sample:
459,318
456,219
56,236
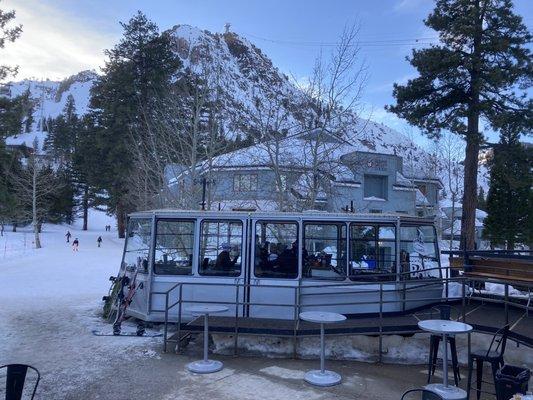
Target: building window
276,250
174,247
220,248
375,211
245,183
376,187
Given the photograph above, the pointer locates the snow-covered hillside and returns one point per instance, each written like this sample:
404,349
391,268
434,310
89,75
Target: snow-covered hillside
245,75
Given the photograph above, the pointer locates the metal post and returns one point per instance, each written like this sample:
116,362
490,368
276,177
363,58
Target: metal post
296,317
445,361
206,336
506,303
322,348
380,321
179,318
463,301
236,334
166,324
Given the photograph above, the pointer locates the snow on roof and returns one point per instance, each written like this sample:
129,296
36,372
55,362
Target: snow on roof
27,139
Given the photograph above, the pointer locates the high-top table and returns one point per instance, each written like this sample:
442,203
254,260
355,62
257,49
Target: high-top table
445,327
205,366
322,377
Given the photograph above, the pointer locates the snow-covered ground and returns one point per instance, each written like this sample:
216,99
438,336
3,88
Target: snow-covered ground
51,299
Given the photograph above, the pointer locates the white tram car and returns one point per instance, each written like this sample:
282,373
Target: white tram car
270,264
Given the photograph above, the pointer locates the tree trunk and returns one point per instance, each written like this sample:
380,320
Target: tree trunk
121,221
14,227
468,219
85,205
34,208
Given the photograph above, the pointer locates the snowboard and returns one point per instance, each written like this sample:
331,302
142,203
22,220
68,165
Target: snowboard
97,332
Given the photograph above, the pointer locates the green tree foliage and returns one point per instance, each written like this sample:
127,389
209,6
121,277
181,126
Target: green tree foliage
62,134
476,72
138,68
8,33
509,201
481,200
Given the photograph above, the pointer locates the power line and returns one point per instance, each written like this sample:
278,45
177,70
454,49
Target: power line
361,43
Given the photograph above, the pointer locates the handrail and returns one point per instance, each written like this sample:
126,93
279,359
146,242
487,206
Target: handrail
300,292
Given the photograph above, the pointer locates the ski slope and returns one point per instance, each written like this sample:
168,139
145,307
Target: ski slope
51,299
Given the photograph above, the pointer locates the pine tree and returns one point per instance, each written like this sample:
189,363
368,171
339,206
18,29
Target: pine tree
476,72
8,33
509,201
481,201
140,66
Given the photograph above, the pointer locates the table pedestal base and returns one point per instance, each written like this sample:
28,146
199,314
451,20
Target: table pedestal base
447,392
205,367
319,378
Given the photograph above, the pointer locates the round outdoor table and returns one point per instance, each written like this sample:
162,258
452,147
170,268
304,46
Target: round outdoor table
205,366
322,377
445,327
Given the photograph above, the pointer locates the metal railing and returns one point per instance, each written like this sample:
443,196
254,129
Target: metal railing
402,286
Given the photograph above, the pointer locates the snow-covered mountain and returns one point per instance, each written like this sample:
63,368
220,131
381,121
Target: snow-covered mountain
244,75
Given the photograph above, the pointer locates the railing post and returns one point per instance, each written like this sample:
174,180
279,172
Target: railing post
380,321
166,324
236,334
179,318
296,317
463,300
506,303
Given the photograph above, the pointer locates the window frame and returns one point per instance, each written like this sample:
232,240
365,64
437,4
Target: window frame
126,242
238,183
252,258
200,260
377,258
385,186
346,247
194,221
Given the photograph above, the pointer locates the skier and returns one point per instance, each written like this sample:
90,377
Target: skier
75,245
68,235
99,240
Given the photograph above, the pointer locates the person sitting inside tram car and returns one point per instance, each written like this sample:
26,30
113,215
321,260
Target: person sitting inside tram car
224,261
287,262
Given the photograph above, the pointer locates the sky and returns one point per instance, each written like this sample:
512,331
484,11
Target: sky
63,37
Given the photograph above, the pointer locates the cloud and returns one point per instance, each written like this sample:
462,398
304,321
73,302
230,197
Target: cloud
408,5
54,44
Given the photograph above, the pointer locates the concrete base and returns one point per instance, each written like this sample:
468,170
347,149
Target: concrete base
447,392
319,378
205,367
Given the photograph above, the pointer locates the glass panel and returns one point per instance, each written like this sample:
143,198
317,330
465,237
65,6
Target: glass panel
220,248
324,253
375,186
174,243
372,253
138,244
276,250
418,252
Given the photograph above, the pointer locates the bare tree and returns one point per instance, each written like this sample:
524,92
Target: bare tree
32,184
332,94
177,143
451,153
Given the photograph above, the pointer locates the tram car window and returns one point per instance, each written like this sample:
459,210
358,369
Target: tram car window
220,248
418,252
174,243
138,244
276,250
324,253
372,253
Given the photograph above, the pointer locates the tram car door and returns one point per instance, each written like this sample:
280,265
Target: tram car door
273,268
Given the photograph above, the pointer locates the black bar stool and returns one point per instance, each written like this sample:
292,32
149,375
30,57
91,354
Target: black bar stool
494,356
444,313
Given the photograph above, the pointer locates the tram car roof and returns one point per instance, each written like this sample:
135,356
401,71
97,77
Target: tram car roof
273,215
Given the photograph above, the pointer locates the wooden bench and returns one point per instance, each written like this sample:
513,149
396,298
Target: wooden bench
506,269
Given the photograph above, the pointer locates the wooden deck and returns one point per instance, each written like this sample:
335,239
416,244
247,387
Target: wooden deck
484,317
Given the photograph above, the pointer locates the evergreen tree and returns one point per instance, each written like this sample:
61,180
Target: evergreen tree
62,133
140,66
481,201
509,201
8,33
475,72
